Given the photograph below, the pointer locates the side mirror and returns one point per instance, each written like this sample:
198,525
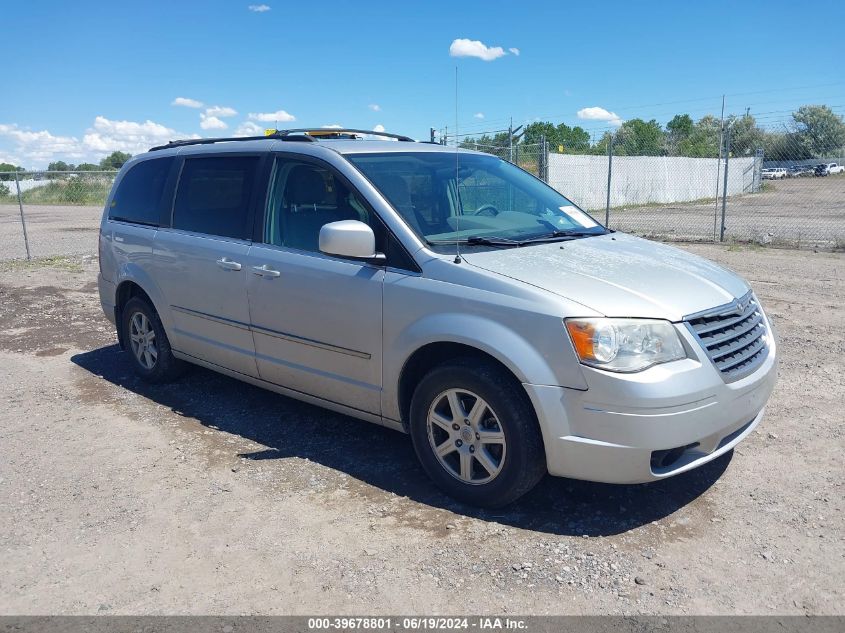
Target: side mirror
349,238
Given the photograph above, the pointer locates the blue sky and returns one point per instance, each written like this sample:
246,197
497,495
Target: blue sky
89,77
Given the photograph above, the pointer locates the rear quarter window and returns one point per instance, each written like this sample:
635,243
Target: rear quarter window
213,195
139,193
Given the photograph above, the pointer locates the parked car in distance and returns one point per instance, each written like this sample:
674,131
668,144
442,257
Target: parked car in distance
774,173
826,169
797,171
437,291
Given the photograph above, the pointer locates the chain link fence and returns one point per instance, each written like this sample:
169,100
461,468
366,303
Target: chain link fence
779,183
46,214
734,182
738,197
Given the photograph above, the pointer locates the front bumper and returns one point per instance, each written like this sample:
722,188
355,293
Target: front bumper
634,428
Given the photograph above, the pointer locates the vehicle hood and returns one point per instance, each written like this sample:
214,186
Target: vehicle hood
618,275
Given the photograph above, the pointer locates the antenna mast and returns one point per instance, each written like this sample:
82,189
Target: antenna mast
458,209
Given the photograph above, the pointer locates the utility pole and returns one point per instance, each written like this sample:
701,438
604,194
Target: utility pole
431,130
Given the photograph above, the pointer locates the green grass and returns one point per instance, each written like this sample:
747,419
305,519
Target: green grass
73,191
69,264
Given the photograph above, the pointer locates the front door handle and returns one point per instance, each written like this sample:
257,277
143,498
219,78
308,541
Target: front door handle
228,264
266,271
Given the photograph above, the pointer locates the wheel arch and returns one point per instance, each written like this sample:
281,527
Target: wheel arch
135,283
431,355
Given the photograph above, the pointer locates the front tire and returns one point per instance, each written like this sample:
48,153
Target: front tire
147,343
475,433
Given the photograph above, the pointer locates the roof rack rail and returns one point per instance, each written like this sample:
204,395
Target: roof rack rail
307,135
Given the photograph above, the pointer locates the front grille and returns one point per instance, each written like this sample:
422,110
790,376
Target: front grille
734,336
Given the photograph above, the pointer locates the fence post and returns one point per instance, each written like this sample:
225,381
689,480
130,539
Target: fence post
609,174
23,219
545,160
541,159
725,184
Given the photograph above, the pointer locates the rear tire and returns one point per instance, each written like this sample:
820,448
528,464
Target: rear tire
147,343
475,433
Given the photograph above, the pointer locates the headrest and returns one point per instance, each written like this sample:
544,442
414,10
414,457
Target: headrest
305,186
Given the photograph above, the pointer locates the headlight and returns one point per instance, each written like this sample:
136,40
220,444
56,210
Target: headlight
625,345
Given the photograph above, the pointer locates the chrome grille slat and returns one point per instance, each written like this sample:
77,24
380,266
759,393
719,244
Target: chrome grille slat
720,323
734,341
742,341
733,333
736,359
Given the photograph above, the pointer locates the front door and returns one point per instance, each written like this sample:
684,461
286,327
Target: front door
316,319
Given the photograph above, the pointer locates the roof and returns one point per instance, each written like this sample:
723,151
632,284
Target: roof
342,144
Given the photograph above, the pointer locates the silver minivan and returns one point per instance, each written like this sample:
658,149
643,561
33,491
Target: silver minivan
443,293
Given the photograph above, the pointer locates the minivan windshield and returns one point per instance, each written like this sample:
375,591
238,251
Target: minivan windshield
472,198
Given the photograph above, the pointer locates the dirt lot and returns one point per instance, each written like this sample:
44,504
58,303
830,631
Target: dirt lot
210,496
795,212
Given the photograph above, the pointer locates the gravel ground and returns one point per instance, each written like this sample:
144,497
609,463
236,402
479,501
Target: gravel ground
51,229
795,212
211,496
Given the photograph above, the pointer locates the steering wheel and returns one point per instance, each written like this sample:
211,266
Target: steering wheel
488,210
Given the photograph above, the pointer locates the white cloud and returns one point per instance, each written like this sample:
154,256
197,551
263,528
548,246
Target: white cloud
37,148
41,146
248,128
108,135
599,114
223,111
185,102
211,122
374,107
258,8
271,117
478,115
462,47
515,51
378,128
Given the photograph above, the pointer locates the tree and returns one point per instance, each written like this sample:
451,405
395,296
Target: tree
115,160
678,131
574,140
7,171
59,165
746,137
87,167
639,138
703,142
819,130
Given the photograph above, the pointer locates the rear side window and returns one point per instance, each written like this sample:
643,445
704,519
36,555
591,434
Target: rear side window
213,196
138,196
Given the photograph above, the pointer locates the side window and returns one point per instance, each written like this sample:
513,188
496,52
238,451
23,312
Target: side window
213,195
138,196
304,197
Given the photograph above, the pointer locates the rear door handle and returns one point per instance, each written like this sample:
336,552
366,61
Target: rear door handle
266,271
228,264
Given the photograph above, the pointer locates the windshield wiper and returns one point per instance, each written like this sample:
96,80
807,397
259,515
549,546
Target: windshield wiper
557,236
477,240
